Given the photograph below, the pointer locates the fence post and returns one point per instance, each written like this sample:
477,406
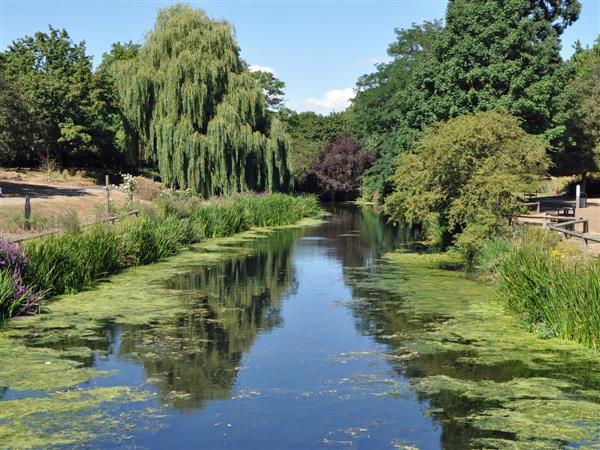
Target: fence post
27,212
107,196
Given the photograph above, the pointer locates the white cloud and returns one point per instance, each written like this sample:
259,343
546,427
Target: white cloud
334,100
256,68
372,61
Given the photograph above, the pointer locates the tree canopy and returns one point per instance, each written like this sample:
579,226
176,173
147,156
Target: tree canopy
338,168
55,78
18,128
200,114
272,88
385,114
309,133
488,55
462,180
587,92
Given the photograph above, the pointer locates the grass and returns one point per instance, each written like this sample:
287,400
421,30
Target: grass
72,261
548,283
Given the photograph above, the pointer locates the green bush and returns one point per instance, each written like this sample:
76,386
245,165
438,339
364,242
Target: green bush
463,176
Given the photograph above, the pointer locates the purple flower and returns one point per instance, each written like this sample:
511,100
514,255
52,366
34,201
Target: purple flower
14,261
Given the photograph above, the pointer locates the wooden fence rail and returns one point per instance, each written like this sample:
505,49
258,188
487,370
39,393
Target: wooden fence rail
561,228
563,225
110,219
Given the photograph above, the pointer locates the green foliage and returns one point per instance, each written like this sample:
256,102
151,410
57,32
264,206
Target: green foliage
277,209
464,177
198,111
583,95
119,52
54,76
309,132
18,127
71,262
388,113
126,141
488,55
491,253
272,88
493,55
556,292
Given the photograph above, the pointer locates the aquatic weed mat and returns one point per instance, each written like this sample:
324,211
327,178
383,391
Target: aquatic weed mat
52,393
488,381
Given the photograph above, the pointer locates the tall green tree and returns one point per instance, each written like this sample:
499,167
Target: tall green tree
586,87
387,113
19,143
126,140
496,54
55,77
200,114
489,55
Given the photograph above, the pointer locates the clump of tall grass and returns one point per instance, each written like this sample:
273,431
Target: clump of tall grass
276,209
552,287
71,262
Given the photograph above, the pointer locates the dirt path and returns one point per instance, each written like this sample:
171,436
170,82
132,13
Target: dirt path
52,203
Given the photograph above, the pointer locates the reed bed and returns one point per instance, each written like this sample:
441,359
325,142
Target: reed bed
72,261
549,284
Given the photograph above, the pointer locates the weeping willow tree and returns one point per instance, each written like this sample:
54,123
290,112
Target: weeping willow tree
200,115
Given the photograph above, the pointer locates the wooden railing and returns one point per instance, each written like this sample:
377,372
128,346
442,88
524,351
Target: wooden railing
109,219
563,225
572,233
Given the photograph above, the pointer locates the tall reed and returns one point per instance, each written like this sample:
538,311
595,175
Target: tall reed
555,290
71,262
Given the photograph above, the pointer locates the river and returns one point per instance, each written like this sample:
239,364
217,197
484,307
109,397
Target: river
302,338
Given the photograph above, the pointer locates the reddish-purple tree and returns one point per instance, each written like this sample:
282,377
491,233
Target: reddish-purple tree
335,174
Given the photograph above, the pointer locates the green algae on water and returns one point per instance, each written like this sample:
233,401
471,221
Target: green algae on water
489,382
62,418
50,357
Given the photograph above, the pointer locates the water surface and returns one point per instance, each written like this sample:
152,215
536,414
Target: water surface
302,338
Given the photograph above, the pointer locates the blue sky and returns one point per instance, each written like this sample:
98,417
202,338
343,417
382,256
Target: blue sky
319,48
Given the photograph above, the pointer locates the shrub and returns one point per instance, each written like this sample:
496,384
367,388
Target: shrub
465,175
337,171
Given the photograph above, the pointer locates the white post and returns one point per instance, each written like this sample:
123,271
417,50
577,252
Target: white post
107,197
577,196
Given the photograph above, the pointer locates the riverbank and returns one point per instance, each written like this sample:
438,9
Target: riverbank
487,380
57,396
71,262
548,283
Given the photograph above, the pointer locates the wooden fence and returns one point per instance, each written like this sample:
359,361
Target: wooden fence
563,225
109,219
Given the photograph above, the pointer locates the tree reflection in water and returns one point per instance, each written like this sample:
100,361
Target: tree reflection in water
195,357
